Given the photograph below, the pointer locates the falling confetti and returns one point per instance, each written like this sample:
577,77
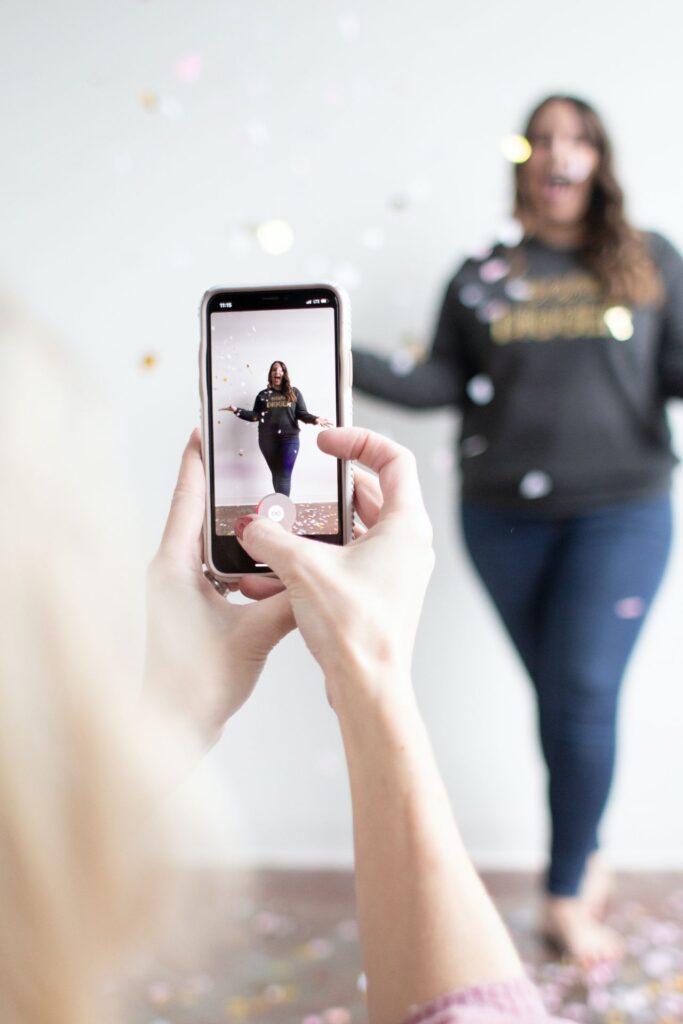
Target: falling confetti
149,101
535,484
619,320
510,232
149,361
494,270
473,446
275,237
402,363
337,1015
492,311
471,295
518,289
188,68
480,389
629,608
516,148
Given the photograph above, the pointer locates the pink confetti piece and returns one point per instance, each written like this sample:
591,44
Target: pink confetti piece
188,68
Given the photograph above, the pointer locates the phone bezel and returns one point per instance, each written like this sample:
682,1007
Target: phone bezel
224,556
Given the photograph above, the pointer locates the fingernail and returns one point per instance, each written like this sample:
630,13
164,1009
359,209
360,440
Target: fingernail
241,524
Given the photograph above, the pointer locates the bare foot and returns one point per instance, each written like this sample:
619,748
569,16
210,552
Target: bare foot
570,926
598,887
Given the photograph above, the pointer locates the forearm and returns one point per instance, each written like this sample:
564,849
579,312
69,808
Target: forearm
427,923
429,385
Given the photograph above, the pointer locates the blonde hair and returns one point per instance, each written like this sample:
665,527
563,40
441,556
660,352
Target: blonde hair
80,771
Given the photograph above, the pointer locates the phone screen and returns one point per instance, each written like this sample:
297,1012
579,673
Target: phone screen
272,360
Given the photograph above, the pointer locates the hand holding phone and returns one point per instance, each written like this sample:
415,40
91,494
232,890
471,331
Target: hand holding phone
358,607
204,655
277,360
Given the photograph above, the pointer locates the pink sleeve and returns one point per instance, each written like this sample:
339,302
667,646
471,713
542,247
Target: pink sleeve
503,1002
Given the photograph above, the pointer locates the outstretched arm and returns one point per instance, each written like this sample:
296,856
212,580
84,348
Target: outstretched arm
436,382
670,266
427,924
305,416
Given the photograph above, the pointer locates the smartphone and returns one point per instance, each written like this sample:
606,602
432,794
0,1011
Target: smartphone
275,368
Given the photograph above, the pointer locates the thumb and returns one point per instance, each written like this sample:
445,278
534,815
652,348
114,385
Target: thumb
267,542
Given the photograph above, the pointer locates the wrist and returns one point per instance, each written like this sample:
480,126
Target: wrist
368,699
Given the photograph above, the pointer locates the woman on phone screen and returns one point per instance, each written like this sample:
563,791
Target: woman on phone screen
277,410
560,351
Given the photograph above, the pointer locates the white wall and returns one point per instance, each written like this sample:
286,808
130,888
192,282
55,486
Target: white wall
374,130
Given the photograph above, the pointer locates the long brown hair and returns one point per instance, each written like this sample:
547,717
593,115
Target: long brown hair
286,387
614,251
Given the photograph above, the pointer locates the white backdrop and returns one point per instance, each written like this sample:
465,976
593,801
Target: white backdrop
144,143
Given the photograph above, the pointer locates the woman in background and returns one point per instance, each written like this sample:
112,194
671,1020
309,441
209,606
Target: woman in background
561,352
277,410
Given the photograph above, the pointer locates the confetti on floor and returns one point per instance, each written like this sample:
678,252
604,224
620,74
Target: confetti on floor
296,958
311,517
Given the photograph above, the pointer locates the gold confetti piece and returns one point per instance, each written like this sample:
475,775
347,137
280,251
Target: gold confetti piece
148,361
516,149
149,101
238,1007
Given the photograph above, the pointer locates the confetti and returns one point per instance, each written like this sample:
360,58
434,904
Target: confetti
471,295
510,232
516,148
480,389
619,320
402,363
494,270
492,311
518,289
629,608
337,1015
275,237
473,446
149,101
535,484
159,993
188,68
148,361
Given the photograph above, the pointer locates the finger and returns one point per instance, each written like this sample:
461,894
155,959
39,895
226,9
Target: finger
272,618
268,543
367,497
259,587
182,534
394,464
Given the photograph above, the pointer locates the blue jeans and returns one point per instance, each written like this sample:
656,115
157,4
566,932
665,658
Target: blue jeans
280,453
573,594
